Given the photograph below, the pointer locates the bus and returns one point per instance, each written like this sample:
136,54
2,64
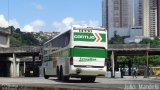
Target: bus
80,52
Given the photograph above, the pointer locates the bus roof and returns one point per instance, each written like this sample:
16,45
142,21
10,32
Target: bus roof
78,27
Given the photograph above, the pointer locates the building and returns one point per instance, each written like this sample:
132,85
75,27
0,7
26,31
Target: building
4,37
122,17
158,6
151,21
149,18
137,12
105,13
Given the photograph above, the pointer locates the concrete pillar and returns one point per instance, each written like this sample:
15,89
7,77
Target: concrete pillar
33,60
113,65
11,69
24,67
14,65
115,62
17,68
147,58
8,41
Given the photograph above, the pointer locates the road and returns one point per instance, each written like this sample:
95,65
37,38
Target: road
76,84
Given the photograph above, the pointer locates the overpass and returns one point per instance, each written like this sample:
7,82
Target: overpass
9,58
20,51
134,49
131,50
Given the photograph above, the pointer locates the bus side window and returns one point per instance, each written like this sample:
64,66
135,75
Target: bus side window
61,41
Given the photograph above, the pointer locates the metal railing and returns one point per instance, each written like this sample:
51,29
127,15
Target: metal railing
20,49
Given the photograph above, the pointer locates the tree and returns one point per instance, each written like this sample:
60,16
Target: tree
18,38
117,40
14,42
28,39
145,41
155,41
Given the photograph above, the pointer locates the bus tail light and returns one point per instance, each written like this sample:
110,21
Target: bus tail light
71,60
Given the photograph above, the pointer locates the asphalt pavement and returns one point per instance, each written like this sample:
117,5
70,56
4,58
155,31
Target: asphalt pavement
126,83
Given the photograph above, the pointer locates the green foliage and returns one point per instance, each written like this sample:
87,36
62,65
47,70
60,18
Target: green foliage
154,60
28,39
135,60
132,43
18,39
155,41
145,41
117,40
14,42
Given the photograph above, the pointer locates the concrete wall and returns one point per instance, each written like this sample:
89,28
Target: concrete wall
4,37
4,41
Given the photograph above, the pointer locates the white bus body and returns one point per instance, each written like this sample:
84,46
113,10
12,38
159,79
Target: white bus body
79,52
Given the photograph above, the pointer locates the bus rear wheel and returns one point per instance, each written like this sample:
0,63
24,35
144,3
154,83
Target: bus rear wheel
63,78
90,79
58,74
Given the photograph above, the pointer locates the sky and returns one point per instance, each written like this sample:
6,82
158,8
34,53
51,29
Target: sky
49,15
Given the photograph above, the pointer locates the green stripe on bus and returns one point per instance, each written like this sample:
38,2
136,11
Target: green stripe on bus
88,52
103,37
89,37
84,37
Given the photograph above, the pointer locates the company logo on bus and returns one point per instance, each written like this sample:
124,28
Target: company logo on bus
87,59
90,37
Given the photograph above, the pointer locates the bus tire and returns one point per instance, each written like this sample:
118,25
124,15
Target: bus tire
58,74
45,76
90,79
63,78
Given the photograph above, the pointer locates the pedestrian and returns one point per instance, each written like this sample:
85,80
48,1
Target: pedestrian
134,73
121,73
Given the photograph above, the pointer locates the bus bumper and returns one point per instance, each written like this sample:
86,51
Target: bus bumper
87,71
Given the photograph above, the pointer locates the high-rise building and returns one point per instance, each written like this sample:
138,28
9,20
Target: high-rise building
151,14
122,17
137,12
119,13
158,18
105,13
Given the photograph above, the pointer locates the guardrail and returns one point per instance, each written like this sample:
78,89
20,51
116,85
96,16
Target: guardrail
133,47
20,49
111,47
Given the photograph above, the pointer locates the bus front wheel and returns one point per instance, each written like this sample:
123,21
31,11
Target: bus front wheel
45,76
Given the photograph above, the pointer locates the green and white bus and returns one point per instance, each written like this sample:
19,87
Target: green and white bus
80,52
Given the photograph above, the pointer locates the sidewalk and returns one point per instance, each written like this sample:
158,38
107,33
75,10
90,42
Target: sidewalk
140,78
131,77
